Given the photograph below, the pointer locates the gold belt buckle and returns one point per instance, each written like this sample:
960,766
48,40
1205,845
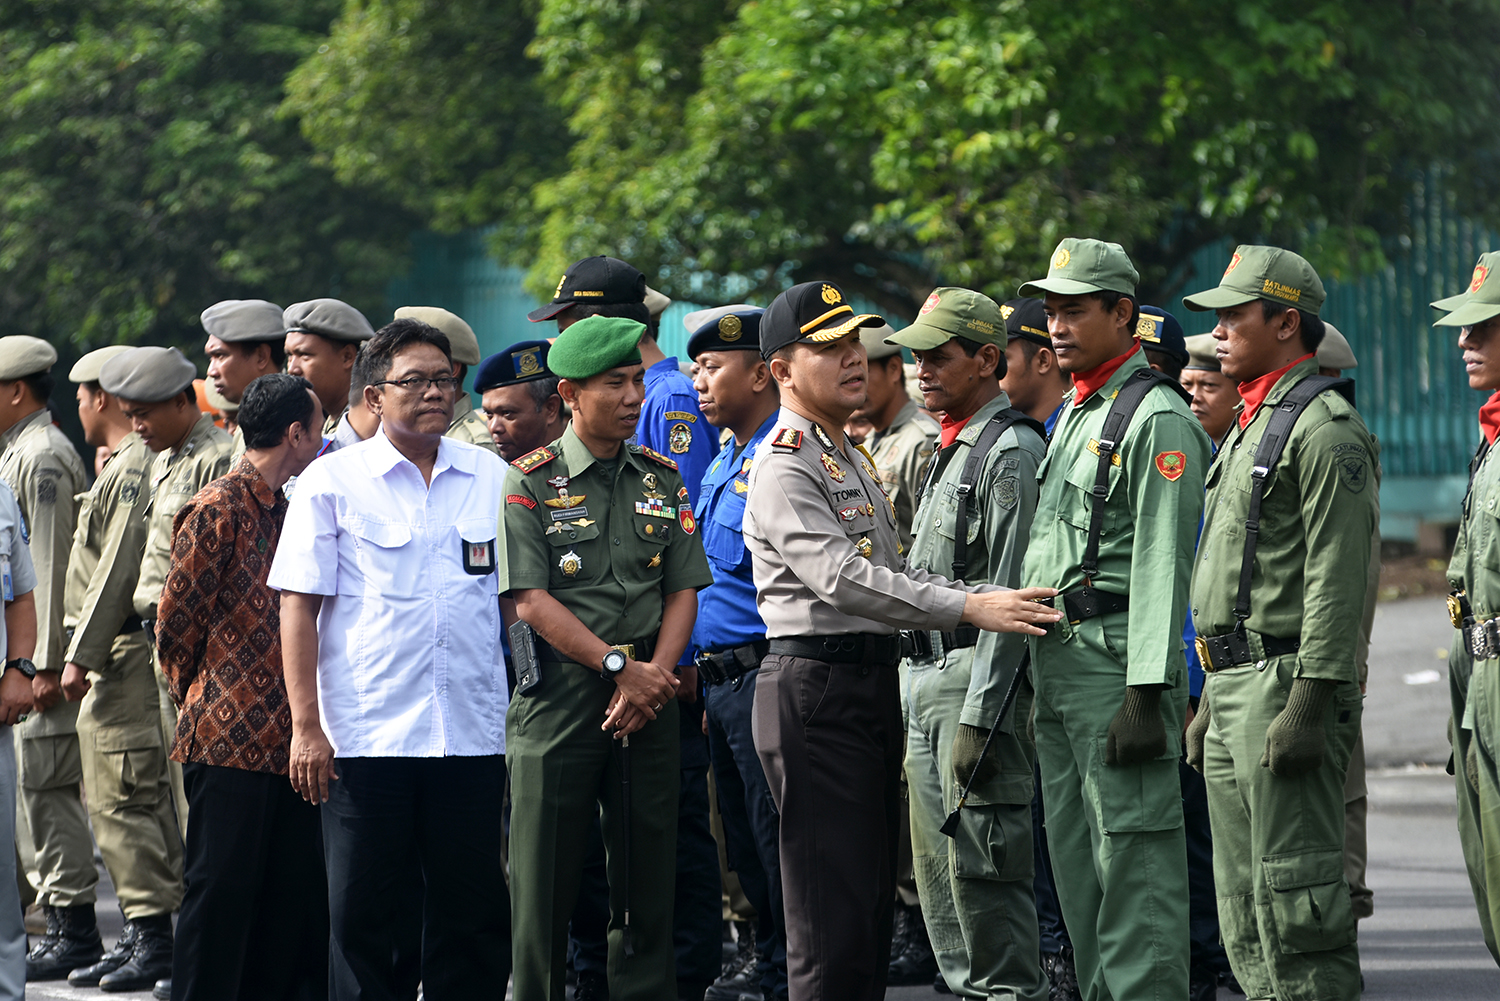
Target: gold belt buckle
628,649
1456,611
1201,645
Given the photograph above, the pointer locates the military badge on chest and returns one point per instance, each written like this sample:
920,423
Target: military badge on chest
565,506
570,564
834,469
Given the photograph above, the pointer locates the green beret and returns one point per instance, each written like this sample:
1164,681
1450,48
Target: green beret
86,369
1334,350
595,344
237,321
21,356
147,375
330,318
462,344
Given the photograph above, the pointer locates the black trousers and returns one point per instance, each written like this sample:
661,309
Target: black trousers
385,816
830,740
254,921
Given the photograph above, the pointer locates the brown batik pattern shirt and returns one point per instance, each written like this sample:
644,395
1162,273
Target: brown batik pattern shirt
218,631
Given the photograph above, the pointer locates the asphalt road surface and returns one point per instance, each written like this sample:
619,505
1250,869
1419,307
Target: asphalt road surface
1424,941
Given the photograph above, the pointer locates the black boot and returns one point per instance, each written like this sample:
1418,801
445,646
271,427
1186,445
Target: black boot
163,990
915,964
150,960
48,941
75,944
1064,977
88,976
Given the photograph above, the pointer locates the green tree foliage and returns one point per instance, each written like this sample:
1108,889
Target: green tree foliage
145,174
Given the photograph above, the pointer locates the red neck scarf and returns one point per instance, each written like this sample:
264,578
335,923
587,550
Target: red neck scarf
1088,383
952,429
1489,417
1255,391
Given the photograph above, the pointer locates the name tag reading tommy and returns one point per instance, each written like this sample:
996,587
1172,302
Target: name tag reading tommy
479,557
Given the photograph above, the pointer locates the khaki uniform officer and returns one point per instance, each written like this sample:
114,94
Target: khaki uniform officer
46,475
190,452
322,338
976,889
1474,675
119,722
1281,703
245,341
605,563
468,424
832,588
901,444
1111,683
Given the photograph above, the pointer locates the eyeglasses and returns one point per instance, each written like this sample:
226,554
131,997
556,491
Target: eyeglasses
419,384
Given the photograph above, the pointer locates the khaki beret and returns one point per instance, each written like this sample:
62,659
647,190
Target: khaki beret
147,375
21,356
656,302
1202,352
86,369
218,400
1334,350
330,318
462,343
239,320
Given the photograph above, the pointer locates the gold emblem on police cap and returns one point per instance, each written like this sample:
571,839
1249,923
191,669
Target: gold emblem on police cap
1145,328
1061,258
831,295
526,362
1005,312
730,328
570,564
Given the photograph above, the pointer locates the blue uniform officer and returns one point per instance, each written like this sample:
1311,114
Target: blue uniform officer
735,390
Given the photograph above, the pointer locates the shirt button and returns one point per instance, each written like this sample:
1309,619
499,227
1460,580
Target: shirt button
617,542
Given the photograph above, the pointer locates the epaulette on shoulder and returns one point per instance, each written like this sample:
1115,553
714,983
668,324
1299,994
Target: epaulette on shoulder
787,438
651,453
534,460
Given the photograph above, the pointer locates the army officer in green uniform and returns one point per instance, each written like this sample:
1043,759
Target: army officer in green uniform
976,890
605,564
1474,680
1111,679
1280,709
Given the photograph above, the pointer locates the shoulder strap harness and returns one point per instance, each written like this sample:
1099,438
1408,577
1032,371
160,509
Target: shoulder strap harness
1116,422
1267,454
993,429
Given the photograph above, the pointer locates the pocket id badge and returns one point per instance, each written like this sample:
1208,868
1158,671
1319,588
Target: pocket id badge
479,557
7,585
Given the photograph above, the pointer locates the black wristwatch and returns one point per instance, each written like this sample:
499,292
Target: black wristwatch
614,663
23,665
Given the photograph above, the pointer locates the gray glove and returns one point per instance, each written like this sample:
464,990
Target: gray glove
1295,738
1196,731
1137,733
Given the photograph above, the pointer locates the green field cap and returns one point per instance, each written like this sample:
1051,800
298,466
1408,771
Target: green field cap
950,313
1480,302
1263,273
1082,266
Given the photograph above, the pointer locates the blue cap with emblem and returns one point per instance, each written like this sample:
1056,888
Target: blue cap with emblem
521,362
1161,331
725,328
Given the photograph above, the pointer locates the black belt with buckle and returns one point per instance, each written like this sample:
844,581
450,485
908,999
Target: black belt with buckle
1088,603
1481,637
733,664
641,649
1220,653
917,643
846,648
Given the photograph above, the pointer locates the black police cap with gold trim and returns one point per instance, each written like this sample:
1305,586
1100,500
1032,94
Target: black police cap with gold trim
1026,319
594,281
522,362
812,313
725,328
1162,331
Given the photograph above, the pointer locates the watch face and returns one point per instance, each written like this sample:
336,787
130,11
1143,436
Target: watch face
614,662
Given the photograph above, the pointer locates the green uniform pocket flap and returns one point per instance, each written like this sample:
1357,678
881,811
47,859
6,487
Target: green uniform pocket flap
1310,900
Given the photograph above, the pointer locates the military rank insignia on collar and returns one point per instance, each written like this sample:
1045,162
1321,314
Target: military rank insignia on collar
787,438
532,460
658,457
822,437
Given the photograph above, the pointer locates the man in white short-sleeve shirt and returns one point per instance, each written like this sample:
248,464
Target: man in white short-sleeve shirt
17,645
391,625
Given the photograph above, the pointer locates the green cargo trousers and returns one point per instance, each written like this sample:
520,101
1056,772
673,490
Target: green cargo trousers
1119,855
1484,696
125,778
1470,836
1284,907
976,892
563,771
49,774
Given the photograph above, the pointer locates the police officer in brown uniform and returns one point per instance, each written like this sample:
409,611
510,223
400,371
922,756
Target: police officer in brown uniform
833,589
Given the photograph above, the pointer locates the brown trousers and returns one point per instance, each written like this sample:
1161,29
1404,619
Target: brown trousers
830,739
